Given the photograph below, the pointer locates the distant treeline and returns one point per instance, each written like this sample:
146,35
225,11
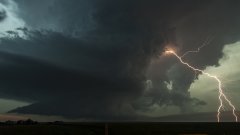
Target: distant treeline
30,122
19,122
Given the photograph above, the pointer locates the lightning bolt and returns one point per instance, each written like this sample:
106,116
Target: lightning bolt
221,95
205,43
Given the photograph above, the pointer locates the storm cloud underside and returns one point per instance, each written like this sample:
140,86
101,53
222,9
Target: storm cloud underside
91,59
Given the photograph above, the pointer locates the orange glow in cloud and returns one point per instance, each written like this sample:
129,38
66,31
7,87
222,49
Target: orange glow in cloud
222,97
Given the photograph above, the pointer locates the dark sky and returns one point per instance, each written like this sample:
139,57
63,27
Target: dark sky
101,60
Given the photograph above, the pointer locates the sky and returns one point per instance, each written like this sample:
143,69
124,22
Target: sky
91,60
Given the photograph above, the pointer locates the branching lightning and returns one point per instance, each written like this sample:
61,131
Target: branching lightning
205,43
221,95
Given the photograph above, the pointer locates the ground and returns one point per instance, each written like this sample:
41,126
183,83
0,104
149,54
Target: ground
124,128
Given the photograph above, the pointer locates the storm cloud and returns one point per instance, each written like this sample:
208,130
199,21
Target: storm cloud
91,59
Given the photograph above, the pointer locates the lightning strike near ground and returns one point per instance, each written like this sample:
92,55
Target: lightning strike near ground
221,95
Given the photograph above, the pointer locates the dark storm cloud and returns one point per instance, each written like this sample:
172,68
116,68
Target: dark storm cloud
71,17
82,92
106,81
2,14
93,64
219,22
216,21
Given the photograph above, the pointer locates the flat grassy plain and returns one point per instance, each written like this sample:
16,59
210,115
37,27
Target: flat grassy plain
125,128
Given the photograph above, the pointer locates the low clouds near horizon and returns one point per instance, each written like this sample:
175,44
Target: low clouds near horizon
93,59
